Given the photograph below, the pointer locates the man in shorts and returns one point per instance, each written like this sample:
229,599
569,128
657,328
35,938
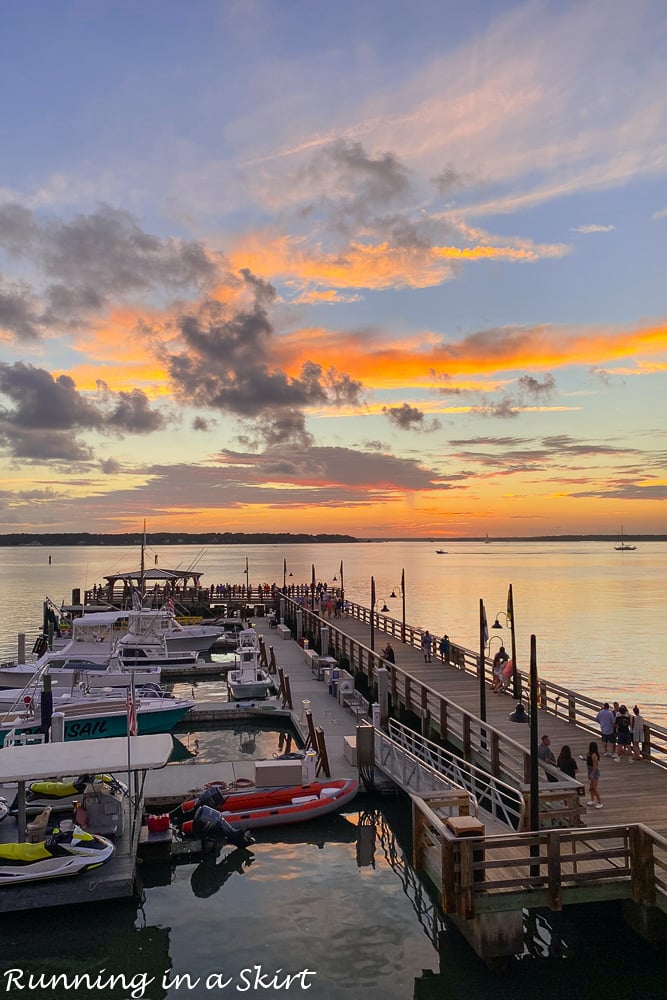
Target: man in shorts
607,721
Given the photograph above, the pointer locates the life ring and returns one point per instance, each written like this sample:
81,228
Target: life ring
243,783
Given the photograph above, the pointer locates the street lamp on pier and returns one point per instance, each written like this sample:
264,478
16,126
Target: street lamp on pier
481,666
394,595
509,622
519,715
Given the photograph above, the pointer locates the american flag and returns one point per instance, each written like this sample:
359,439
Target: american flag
131,712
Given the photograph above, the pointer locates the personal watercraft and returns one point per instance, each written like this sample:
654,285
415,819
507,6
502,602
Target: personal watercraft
61,794
62,853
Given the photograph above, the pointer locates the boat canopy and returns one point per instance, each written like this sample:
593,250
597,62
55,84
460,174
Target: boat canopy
37,761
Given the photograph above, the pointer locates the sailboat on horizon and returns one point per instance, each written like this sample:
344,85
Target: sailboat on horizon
623,545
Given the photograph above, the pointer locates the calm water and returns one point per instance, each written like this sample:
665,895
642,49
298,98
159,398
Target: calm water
596,612
338,897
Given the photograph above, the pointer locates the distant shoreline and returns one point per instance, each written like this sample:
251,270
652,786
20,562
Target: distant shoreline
281,538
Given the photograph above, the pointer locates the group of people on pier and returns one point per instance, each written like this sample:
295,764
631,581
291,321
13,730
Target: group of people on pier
621,735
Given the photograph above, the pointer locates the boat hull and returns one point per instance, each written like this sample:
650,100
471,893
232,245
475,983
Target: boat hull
98,726
274,807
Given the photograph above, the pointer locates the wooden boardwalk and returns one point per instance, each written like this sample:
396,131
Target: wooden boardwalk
631,793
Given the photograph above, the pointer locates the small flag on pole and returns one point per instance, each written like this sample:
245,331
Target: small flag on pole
485,625
510,605
131,712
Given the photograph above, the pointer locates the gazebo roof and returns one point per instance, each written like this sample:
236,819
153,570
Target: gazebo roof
154,575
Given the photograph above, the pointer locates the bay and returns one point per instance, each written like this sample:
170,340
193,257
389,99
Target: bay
596,612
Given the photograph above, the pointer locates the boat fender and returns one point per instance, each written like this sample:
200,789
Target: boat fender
210,824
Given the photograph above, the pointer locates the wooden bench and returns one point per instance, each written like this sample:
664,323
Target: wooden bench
356,703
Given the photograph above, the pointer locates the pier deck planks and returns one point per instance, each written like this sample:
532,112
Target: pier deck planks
631,793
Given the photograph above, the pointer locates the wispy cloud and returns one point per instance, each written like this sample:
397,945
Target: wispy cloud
592,228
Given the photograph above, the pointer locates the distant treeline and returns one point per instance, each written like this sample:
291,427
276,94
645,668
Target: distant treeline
170,538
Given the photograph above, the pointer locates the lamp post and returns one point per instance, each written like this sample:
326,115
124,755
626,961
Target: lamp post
284,575
393,594
519,715
342,587
312,587
373,613
483,639
509,621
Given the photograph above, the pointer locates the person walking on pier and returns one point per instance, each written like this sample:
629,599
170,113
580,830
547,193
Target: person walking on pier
427,646
388,653
593,768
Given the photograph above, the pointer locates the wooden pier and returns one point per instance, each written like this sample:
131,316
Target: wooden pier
618,852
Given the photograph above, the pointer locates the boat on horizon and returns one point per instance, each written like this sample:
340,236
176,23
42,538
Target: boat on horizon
623,546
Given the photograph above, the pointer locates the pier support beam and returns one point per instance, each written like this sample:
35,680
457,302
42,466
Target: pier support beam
647,921
299,625
493,935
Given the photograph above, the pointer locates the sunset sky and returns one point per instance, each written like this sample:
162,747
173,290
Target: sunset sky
376,267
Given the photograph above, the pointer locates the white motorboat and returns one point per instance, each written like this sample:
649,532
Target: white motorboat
249,679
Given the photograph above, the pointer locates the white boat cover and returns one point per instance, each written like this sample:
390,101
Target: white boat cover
37,761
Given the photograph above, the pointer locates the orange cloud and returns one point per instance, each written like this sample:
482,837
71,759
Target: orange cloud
363,265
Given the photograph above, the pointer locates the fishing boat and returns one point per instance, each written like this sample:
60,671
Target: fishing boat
441,552
249,679
262,807
623,546
62,853
94,715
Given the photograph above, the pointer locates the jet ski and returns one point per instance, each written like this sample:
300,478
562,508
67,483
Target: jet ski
62,853
61,794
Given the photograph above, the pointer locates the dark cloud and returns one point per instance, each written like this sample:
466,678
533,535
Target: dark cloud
84,262
131,412
19,313
532,387
46,415
200,424
449,179
110,466
226,365
409,418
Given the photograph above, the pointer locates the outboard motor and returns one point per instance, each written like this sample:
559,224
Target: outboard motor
209,824
213,796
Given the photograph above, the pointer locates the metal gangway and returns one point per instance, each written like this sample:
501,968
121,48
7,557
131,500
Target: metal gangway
418,765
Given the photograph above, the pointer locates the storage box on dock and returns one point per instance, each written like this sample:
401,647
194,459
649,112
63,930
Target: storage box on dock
273,773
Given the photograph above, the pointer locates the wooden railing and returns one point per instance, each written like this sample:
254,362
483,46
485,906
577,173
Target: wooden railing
480,874
478,742
577,709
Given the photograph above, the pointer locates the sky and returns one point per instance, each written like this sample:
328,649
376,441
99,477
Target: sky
382,268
